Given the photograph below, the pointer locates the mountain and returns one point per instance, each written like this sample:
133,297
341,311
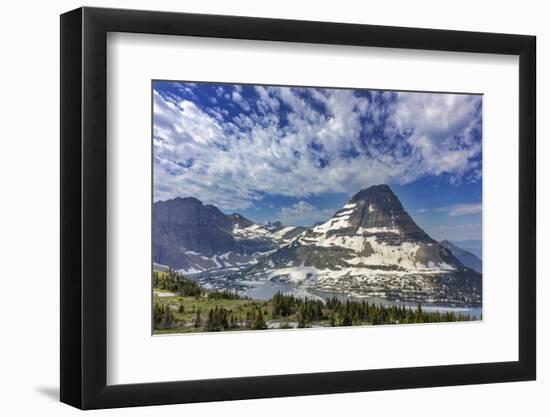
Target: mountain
467,258
372,231
195,237
372,246
471,245
273,225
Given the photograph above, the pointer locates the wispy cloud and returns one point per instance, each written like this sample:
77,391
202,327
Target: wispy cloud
462,209
298,142
303,213
422,210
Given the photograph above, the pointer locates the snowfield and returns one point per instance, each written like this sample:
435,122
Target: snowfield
279,234
273,239
259,232
337,222
366,241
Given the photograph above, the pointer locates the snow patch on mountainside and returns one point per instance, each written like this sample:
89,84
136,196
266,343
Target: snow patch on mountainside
260,232
403,255
355,243
379,230
190,270
279,234
349,206
335,223
271,240
314,276
250,232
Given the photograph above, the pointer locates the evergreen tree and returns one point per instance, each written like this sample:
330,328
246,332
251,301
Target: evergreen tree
332,320
198,321
210,325
346,319
253,313
167,317
301,319
258,322
418,316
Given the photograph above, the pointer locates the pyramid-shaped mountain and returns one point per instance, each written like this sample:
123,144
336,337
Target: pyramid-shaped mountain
371,231
372,246
379,210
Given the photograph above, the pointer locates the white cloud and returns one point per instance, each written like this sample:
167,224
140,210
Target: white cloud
304,213
267,101
238,98
462,209
441,128
422,210
231,162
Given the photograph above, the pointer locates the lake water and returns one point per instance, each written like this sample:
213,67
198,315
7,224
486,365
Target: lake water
266,290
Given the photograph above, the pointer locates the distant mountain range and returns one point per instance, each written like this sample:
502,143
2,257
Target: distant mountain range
371,246
473,246
466,257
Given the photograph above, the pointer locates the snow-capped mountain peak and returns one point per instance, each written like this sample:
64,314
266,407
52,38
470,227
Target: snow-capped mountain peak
370,236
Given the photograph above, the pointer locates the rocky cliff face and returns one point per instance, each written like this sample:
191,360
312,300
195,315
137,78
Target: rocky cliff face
379,210
187,223
195,237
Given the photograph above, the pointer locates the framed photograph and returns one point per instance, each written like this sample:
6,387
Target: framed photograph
257,208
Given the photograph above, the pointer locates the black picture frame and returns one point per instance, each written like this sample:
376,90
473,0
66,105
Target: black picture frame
84,207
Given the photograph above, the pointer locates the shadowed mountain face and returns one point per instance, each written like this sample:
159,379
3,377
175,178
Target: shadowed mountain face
379,207
187,223
196,237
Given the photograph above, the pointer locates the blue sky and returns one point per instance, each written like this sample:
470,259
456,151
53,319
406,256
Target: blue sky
298,154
